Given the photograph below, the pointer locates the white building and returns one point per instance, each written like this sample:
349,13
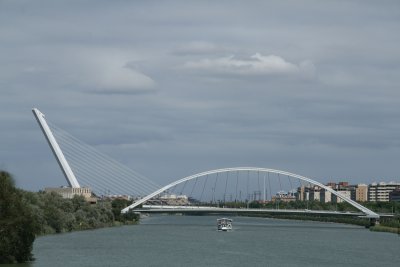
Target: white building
316,194
326,196
345,193
379,192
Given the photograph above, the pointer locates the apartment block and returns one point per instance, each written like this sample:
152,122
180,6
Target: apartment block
379,192
361,193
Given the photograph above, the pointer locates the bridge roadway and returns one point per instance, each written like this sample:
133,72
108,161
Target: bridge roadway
198,209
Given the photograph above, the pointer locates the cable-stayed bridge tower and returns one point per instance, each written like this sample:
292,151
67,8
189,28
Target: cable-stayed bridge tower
65,168
83,165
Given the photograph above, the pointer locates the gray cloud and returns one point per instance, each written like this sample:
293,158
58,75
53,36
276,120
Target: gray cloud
312,86
256,65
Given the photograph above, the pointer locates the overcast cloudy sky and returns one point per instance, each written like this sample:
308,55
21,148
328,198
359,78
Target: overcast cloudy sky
171,88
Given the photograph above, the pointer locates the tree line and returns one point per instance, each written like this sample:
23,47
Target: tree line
25,215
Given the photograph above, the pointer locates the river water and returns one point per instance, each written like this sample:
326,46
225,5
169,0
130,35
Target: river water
163,240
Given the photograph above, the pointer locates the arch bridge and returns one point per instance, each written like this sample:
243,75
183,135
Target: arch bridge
363,210
93,169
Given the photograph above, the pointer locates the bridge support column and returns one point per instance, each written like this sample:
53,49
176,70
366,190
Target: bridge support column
373,222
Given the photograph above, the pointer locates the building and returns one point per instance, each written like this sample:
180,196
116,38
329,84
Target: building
175,200
338,186
284,197
394,195
342,185
331,185
379,192
315,193
113,197
302,193
361,193
326,196
345,193
354,192
69,192
311,192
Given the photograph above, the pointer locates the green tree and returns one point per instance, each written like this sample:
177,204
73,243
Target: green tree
117,206
18,224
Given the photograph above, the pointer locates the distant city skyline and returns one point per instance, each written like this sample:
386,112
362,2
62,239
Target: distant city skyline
175,88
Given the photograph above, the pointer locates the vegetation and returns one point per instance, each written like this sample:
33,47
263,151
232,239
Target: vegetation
380,207
24,215
382,228
18,225
126,218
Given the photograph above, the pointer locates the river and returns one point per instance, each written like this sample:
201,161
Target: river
163,240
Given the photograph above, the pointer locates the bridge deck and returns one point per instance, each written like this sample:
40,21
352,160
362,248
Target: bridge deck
198,209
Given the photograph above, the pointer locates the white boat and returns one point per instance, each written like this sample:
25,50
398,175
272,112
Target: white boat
224,224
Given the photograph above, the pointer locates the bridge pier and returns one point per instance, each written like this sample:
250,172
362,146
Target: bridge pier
373,222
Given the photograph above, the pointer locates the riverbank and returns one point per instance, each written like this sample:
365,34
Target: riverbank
386,229
387,225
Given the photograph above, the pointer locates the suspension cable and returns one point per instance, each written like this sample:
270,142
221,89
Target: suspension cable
269,187
226,184
237,181
214,188
204,186
194,185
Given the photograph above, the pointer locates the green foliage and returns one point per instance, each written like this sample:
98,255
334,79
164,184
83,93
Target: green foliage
383,207
380,207
118,205
393,222
382,228
58,215
23,215
18,225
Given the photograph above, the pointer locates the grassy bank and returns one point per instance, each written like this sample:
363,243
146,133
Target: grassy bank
387,229
389,225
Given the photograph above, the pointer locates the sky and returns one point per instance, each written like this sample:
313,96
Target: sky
173,88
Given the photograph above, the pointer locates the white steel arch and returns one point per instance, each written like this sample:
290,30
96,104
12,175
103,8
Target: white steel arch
369,213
